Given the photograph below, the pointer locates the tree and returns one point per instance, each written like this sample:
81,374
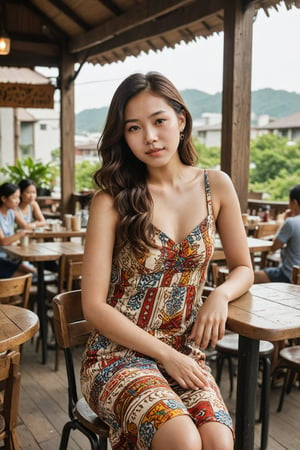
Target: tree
84,172
275,166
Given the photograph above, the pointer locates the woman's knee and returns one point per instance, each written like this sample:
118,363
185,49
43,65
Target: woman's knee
216,436
176,434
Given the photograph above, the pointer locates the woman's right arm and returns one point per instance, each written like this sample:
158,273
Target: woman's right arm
97,264
7,240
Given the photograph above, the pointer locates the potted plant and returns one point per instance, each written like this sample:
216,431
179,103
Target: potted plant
42,174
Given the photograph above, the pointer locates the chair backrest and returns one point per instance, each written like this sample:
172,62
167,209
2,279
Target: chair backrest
71,329
70,269
296,275
10,386
16,290
266,229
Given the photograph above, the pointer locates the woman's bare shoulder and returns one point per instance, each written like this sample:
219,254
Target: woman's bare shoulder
104,202
218,176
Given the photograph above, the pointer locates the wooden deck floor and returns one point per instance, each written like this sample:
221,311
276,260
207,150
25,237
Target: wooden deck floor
43,408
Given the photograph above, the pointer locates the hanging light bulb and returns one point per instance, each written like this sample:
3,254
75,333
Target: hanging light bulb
4,44
4,39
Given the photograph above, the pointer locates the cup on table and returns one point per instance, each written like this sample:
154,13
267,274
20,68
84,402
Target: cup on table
24,240
245,218
76,222
68,221
56,226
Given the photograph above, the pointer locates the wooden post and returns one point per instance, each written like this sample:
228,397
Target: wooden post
236,106
16,135
67,119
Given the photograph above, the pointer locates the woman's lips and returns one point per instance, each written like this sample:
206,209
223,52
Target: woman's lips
154,151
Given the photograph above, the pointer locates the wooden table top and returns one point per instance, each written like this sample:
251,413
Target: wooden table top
17,325
62,233
44,251
269,311
254,245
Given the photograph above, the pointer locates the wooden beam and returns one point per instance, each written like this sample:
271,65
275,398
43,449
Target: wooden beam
139,15
64,9
174,20
111,6
67,125
236,105
28,59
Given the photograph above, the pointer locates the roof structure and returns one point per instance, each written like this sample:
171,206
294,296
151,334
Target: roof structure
292,121
106,31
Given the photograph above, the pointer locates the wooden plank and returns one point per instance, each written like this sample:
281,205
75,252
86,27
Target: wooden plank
236,104
67,115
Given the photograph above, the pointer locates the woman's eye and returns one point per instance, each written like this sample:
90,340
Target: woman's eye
132,128
160,121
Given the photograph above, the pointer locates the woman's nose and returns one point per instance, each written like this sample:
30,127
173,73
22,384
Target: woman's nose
150,135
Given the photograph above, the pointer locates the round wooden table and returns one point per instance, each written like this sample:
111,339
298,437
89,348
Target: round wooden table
17,325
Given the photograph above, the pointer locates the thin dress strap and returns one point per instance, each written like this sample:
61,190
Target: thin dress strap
208,193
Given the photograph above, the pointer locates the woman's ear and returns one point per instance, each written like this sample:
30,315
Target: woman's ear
182,120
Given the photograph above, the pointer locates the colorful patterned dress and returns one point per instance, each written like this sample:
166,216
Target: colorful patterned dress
161,293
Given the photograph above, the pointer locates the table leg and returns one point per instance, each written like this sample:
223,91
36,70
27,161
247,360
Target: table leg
246,392
42,311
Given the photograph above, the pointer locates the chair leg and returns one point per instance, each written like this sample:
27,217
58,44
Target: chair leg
103,443
92,437
65,435
96,444
283,390
220,362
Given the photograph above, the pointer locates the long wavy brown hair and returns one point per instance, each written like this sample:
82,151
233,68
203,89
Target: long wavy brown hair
124,176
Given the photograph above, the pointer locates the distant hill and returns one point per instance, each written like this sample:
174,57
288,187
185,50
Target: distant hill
275,103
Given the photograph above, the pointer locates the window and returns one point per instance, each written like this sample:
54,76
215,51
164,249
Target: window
43,126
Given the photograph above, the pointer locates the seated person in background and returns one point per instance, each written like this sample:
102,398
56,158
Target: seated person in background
9,200
29,211
288,240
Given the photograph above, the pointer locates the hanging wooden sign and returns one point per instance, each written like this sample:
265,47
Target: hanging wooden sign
21,95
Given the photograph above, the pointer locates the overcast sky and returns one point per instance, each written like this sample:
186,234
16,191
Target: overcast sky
198,65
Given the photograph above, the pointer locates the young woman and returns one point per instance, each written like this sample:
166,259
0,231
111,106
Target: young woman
149,241
9,201
29,211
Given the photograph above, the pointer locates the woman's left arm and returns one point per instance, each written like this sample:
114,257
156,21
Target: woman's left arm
210,323
39,219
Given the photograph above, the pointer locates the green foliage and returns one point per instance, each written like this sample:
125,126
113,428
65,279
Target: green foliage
275,167
43,175
84,172
207,157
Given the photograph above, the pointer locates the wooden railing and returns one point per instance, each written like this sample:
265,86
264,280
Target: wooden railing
275,207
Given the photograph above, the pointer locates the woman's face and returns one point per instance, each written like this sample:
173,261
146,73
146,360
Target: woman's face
152,129
12,201
29,194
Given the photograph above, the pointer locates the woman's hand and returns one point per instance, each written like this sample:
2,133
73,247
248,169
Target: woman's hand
185,370
209,326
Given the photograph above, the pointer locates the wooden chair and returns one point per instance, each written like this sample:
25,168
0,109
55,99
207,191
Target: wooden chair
264,230
16,290
10,385
70,269
71,329
290,356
